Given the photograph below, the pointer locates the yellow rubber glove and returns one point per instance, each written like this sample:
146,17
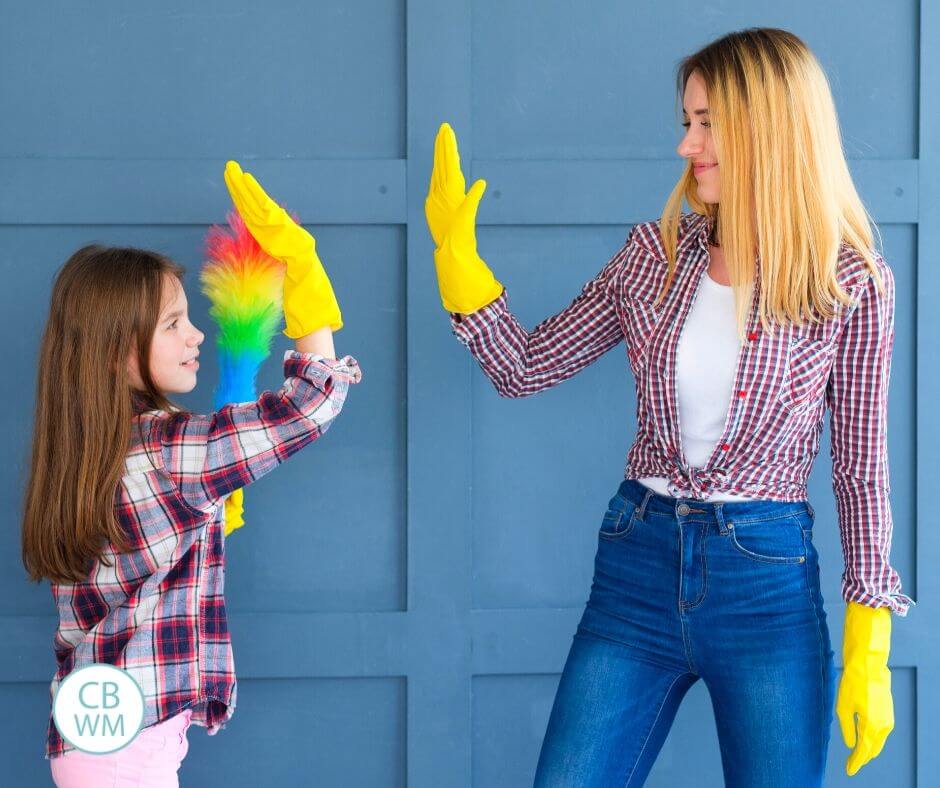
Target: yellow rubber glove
865,688
309,302
465,282
234,508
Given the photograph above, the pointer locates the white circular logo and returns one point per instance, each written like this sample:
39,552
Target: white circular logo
98,708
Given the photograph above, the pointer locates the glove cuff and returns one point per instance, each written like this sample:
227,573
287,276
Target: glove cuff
867,632
466,284
310,304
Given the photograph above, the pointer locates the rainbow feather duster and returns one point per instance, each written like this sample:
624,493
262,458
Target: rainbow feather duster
244,286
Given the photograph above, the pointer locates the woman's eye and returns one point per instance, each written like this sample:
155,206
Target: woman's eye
706,124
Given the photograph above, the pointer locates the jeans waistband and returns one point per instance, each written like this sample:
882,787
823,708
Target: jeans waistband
648,500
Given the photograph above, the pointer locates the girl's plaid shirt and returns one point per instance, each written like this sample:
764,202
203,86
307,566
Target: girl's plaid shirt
159,611
784,382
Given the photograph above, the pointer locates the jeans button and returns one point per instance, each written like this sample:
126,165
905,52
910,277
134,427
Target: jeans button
683,509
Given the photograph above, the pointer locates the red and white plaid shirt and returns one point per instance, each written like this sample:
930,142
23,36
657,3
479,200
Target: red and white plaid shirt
159,611
784,382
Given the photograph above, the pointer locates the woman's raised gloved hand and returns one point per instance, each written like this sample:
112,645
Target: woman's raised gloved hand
309,301
865,688
465,282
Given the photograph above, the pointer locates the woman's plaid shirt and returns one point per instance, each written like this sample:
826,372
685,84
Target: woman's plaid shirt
159,611
784,383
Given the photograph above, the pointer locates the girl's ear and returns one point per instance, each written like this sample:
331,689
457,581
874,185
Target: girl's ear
131,370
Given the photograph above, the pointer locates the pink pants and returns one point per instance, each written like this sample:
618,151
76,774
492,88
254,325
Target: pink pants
151,760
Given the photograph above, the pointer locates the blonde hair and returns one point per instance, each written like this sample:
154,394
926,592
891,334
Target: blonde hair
786,191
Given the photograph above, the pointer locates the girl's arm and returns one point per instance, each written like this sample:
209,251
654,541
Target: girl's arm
319,341
209,456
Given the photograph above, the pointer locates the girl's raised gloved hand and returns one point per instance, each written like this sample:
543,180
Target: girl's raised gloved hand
466,283
309,301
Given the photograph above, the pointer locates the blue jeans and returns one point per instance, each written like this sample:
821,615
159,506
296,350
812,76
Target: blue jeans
724,591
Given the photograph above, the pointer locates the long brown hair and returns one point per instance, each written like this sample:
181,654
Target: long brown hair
786,190
104,306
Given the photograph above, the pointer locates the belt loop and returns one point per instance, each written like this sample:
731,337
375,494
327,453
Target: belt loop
720,517
642,510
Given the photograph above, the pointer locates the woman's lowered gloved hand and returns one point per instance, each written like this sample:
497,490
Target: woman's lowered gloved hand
865,688
309,302
465,282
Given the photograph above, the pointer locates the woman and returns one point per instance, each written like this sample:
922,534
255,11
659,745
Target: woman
743,320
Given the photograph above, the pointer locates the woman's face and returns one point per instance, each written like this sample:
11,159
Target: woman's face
697,145
175,340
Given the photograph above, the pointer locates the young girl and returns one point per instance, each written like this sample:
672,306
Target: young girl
124,504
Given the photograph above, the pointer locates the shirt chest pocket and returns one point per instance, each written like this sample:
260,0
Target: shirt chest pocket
641,319
806,373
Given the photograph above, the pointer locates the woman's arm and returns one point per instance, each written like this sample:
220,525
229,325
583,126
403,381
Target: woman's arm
521,363
518,362
857,397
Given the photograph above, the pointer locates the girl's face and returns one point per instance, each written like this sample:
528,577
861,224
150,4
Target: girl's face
174,342
697,145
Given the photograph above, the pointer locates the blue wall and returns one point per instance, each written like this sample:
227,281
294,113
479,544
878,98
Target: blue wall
405,593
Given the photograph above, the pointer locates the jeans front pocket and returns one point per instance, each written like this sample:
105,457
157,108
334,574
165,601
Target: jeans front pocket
778,541
619,519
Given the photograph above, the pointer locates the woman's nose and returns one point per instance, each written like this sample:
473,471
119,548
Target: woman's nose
687,148
689,151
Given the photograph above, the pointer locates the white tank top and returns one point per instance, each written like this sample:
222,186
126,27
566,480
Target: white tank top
707,356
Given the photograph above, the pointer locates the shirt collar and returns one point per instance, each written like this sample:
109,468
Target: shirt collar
139,403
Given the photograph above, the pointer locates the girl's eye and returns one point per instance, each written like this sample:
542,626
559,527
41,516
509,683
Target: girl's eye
173,324
705,123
